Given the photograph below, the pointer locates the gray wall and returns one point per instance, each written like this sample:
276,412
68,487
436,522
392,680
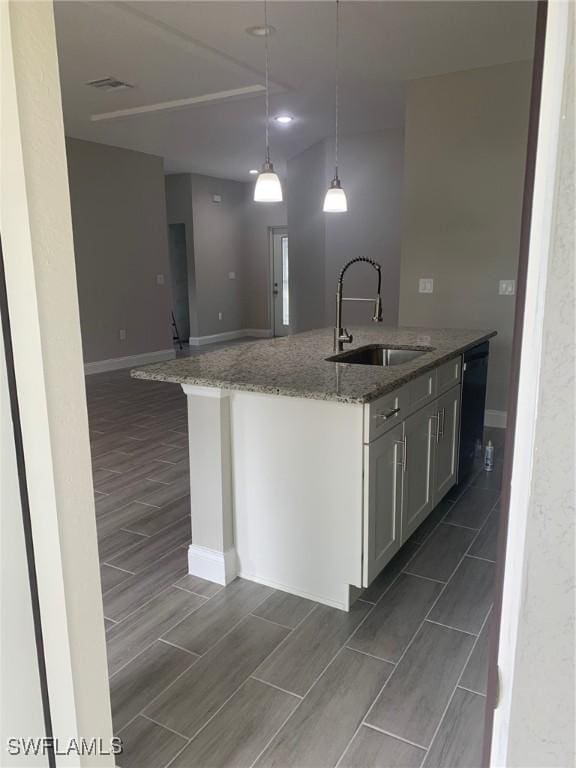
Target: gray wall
306,237
224,237
218,250
465,147
119,220
371,167
371,171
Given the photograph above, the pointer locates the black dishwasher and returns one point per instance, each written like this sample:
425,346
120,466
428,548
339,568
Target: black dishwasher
474,375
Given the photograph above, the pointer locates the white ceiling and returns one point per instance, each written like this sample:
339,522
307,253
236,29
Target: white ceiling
178,50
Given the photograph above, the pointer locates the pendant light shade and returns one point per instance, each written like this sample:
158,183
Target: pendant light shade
335,200
268,188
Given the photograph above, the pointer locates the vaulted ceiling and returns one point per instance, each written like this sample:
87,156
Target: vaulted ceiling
171,51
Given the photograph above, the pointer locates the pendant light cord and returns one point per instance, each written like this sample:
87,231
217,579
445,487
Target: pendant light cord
337,88
266,36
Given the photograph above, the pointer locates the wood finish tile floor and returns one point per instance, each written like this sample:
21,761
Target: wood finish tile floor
242,676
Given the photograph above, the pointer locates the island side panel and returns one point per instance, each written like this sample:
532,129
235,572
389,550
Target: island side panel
297,494
211,555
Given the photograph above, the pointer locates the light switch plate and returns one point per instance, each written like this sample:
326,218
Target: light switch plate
160,279
216,198
232,275
426,285
219,315
507,287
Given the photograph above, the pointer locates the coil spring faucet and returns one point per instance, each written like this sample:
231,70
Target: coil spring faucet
341,335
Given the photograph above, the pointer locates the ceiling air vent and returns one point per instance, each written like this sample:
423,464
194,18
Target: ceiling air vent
108,84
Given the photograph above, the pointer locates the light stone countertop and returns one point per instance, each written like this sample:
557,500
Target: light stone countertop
296,366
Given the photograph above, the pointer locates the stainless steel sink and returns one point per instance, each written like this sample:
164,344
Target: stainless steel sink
378,354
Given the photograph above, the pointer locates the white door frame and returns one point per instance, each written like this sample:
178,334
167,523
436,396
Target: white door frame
36,227
272,231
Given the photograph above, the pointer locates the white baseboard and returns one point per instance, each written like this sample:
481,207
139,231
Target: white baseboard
495,419
260,333
130,361
212,565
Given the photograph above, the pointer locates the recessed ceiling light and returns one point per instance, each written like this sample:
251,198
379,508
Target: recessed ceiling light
284,119
253,171
261,31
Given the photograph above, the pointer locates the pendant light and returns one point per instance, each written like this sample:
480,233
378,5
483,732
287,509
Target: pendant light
268,188
335,200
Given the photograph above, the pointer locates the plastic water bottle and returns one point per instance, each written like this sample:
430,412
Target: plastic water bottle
489,457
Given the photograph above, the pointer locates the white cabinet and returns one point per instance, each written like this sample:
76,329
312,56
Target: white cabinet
422,390
383,462
410,461
446,458
388,411
420,438
448,375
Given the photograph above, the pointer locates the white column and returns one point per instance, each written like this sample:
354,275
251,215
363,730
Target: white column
211,555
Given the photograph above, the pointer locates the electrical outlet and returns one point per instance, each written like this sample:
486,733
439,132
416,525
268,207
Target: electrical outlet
426,285
216,198
219,315
232,275
160,279
122,334
507,287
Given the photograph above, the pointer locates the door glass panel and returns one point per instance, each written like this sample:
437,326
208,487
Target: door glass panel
285,288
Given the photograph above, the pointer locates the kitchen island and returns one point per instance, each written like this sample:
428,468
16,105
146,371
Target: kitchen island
308,474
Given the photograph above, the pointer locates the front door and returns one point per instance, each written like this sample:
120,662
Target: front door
280,283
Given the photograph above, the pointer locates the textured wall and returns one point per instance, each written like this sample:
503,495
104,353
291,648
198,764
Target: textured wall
41,286
543,712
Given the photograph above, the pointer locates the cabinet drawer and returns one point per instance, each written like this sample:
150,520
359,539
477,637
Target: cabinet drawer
384,413
422,390
448,375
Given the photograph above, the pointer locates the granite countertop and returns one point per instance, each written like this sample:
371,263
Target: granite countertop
296,365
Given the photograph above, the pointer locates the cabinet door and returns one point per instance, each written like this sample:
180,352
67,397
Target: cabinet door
446,461
383,460
420,436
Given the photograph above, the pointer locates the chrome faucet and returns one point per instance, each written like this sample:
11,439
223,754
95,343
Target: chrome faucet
341,335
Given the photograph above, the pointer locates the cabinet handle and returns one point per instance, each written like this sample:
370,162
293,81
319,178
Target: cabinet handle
441,421
404,462
436,435
387,414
